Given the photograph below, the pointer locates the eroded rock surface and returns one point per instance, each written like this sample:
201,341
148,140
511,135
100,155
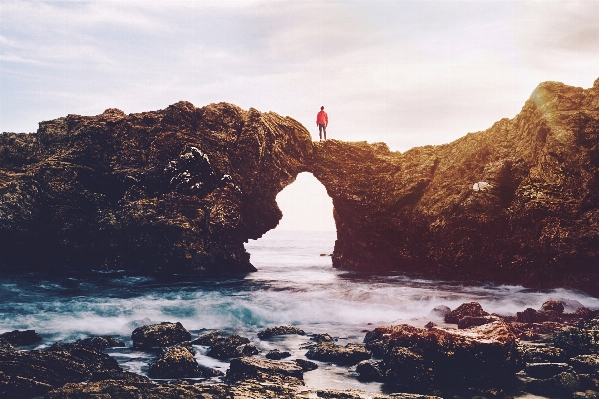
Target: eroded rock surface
535,221
175,190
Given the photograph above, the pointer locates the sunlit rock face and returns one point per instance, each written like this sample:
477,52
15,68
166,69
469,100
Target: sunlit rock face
517,203
176,190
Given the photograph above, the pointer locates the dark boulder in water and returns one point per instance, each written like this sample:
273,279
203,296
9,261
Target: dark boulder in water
26,374
276,354
262,369
20,338
231,347
349,354
175,362
102,342
471,309
159,335
280,330
483,356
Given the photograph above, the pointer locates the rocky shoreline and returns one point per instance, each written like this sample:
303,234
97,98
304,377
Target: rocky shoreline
545,352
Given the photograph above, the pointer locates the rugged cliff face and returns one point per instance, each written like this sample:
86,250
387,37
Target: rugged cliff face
517,203
174,190
181,190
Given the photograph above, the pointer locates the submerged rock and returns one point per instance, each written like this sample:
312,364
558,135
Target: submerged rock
159,335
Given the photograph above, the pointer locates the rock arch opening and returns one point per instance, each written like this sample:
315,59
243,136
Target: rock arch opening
306,206
306,234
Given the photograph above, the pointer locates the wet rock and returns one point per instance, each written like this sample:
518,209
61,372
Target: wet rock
357,394
471,309
370,371
479,356
578,340
128,390
230,347
32,373
175,362
318,338
530,315
547,370
5,346
159,335
429,325
473,321
118,375
276,354
102,342
561,385
585,364
243,368
306,365
441,310
556,307
542,354
21,338
207,339
406,368
588,394
280,330
349,354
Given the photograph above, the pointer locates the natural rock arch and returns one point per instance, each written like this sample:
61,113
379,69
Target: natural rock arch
181,190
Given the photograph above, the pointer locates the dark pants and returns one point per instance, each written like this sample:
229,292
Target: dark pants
322,128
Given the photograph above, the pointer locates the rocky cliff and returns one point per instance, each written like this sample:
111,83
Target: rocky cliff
517,203
177,190
181,190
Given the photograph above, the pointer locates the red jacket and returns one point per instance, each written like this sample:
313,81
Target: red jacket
322,118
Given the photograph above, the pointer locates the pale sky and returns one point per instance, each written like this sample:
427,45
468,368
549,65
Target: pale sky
408,73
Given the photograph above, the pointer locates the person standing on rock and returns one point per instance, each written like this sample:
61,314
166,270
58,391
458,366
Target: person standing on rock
322,120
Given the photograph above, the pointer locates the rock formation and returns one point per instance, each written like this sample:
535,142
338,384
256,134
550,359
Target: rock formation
181,190
176,190
517,203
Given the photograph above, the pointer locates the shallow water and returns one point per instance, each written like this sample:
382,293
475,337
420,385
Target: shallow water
294,285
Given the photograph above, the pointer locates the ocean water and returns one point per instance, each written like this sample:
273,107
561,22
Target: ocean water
295,284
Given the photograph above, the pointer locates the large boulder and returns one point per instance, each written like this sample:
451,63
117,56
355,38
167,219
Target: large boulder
21,337
231,347
471,309
175,362
349,354
479,356
159,335
26,374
